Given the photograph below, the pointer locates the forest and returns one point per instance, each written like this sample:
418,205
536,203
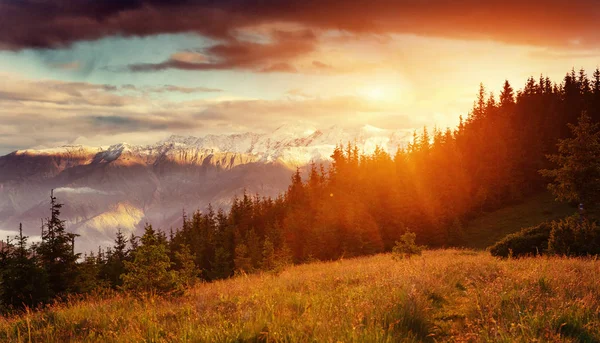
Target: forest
362,204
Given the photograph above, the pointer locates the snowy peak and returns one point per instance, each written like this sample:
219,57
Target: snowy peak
292,145
125,185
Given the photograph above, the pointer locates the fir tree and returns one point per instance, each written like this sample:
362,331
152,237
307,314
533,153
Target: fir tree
268,255
88,274
577,176
222,265
57,254
150,270
22,282
115,264
242,260
187,273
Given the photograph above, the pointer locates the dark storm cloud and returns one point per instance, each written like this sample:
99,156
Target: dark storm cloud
59,23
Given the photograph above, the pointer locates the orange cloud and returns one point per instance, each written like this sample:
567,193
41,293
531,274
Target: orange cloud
29,24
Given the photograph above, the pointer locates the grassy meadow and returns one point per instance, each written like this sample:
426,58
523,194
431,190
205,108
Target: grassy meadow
441,296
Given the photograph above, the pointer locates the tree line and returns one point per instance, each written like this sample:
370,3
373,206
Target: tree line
360,204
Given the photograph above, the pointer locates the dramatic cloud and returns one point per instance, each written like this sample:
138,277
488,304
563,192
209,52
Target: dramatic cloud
236,54
355,61
52,113
59,23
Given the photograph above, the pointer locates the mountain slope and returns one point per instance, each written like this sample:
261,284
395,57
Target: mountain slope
488,228
124,185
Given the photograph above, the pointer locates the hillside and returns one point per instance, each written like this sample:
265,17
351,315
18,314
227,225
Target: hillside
445,295
488,228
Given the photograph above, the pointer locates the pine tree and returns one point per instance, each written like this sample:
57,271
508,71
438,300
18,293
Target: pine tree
134,242
596,82
187,273
295,193
479,106
425,140
88,274
149,272
22,281
268,255
577,177
115,263
222,265
283,257
242,260
584,83
57,253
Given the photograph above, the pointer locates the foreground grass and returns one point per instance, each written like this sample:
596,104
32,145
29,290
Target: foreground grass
488,228
446,295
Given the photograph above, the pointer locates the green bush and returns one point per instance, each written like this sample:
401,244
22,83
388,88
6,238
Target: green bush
574,237
529,241
406,247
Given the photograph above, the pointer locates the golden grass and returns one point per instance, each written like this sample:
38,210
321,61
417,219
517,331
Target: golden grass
442,296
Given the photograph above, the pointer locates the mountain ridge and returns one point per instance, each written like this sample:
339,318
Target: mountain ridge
125,185
267,147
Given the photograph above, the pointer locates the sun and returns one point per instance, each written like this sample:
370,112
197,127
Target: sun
375,93
383,91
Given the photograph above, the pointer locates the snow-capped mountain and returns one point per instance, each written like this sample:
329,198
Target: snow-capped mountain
124,185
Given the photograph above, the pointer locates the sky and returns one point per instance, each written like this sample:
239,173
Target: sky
102,72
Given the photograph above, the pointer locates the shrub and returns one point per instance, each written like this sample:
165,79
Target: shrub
573,237
406,247
529,241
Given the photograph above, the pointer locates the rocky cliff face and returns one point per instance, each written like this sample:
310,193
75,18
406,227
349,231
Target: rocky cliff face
124,186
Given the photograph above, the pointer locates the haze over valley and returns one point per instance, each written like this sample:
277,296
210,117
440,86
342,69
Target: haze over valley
126,186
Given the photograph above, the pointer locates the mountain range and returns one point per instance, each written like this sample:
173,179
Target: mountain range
124,186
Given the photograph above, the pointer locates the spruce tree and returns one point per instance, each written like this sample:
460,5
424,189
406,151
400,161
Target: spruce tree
115,264
187,273
57,254
242,260
221,266
150,271
88,274
268,255
577,176
22,282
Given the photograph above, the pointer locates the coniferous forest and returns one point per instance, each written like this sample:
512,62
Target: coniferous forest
359,205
